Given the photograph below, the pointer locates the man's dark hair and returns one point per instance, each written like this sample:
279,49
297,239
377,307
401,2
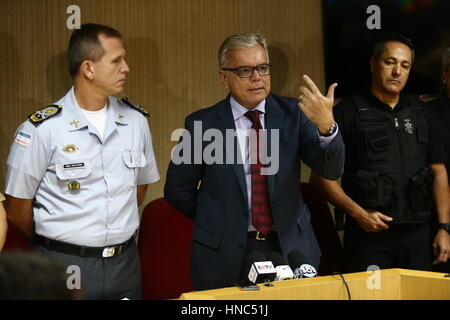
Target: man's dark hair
26,276
379,47
85,45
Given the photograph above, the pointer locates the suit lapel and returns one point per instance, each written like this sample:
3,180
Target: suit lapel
226,121
273,120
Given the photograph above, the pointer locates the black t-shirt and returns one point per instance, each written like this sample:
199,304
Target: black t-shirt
345,114
438,111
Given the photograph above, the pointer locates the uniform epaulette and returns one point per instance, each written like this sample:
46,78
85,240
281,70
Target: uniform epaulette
128,102
40,116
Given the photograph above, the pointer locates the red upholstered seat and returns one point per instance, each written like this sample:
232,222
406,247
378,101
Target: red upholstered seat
165,237
14,241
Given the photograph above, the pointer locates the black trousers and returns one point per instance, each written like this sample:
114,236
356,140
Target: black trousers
401,246
112,278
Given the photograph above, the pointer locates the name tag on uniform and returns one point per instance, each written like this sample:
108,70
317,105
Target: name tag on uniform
73,166
23,139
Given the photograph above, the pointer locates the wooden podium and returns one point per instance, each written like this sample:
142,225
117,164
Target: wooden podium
388,284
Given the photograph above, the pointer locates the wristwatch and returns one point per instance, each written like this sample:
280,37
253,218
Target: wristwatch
330,132
445,226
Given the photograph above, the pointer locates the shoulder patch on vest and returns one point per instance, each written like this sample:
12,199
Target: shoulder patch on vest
46,113
127,102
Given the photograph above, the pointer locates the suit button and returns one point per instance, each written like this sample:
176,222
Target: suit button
241,246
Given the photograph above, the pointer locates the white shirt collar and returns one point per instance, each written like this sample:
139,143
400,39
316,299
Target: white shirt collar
239,110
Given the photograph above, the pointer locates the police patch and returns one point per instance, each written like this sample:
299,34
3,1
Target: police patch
408,126
127,102
44,114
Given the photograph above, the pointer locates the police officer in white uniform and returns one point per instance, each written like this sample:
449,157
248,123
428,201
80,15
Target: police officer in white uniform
78,169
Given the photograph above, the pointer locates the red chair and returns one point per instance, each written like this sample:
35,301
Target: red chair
325,230
14,241
165,239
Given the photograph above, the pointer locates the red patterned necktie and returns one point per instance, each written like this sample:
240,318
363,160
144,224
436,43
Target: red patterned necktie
261,217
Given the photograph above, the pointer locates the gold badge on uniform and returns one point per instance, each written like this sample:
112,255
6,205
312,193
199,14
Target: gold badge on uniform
70,148
74,185
75,123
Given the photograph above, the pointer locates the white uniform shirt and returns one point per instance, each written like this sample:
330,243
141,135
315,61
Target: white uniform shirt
65,148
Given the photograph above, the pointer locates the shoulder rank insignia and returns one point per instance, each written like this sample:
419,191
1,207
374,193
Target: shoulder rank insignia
127,102
44,114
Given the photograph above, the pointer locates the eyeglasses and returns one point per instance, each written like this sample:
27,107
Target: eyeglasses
247,71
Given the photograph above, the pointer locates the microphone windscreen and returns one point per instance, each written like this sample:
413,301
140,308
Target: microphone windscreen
249,259
296,259
276,258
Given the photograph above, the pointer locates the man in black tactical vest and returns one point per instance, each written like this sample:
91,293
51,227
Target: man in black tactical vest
394,170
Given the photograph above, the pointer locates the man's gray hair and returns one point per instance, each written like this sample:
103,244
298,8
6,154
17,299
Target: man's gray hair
446,60
240,41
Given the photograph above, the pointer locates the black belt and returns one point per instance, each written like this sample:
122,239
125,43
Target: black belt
83,251
259,236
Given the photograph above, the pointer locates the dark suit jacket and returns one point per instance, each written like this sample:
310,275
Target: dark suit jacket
215,195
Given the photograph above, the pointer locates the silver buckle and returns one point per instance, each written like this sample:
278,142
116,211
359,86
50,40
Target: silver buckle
108,252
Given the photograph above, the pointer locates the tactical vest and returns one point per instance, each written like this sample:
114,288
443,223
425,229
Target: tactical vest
392,173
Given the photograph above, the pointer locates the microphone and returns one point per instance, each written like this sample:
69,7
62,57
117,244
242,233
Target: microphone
243,281
302,269
248,262
284,271
260,269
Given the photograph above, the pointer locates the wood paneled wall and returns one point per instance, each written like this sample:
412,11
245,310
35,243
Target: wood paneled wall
171,50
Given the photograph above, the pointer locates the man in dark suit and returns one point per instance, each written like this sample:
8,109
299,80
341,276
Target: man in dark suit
241,199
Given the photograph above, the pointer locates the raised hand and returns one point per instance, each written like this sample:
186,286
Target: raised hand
318,108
